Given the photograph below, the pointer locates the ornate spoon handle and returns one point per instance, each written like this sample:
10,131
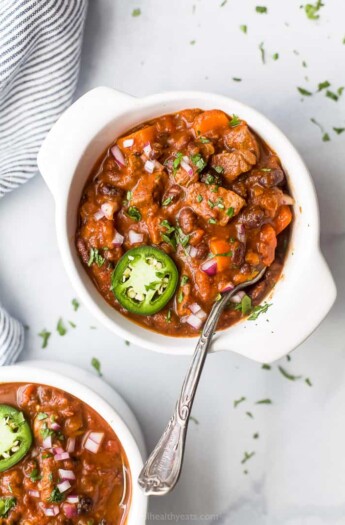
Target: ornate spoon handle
162,469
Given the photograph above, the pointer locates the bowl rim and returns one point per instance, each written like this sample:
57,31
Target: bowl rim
32,374
128,107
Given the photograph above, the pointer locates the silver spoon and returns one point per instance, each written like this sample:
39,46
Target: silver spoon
162,469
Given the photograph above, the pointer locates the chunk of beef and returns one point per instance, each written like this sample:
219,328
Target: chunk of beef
148,190
204,202
184,177
232,164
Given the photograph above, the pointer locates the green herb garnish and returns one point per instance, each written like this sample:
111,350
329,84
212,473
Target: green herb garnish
261,9
75,304
264,402
184,280
244,29
134,213
45,337
199,198
56,496
287,375
212,221
262,53
323,85
247,456
177,161
95,257
136,12
235,121
257,310
60,327
198,161
6,504
312,10
304,92
239,401
96,364
167,201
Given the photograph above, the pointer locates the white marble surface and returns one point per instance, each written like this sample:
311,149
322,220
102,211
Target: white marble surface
297,475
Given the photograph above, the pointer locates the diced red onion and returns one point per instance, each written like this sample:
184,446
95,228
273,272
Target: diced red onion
34,493
194,308
50,511
63,486
47,442
118,239
70,446
194,321
91,446
55,426
237,298
209,267
99,215
135,237
184,318
66,474
97,437
118,156
201,314
149,166
193,251
187,167
108,209
70,511
227,288
72,498
241,233
128,143
58,450
62,457
287,199
147,149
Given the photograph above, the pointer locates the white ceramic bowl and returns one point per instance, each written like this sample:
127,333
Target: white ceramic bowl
29,373
302,297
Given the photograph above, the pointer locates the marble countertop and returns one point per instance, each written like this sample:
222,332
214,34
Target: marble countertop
297,474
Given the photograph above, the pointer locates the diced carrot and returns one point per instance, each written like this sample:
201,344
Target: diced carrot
220,247
210,120
140,139
267,244
283,218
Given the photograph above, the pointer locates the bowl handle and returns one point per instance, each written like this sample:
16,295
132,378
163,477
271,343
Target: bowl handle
68,138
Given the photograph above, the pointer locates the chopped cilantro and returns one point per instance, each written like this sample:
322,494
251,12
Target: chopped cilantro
41,416
167,201
35,475
6,504
204,140
247,456
184,280
223,3
244,28
275,56
264,402
95,257
262,53
326,137
230,212
180,296
45,337
238,401
96,364
236,79
199,198
287,375
60,327
265,366
210,203
136,12
312,10
134,213
304,92
261,9
75,304
73,325
129,195
56,496
257,310
323,85
332,95
198,161
218,169
166,224
339,130
177,161
307,380
245,305
235,121
212,221
192,42
249,414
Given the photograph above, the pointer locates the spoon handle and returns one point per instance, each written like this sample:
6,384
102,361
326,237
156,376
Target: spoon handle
162,469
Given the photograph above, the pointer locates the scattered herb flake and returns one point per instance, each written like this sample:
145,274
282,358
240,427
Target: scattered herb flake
73,325
199,198
192,42
261,9
6,504
323,85
244,29
249,414
75,304
212,221
264,402
45,337
136,12
339,130
332,95
194,419
238,401
230,212
134,213
168,316
236,79
312,10
235,121
95,257
198,161
304,92
265,366
223,3
287,374
262,53
307,380
275,56
258,310
184,280
256,435
60,327
204,140
96,364
247,456
127,343
167,201
177,161
180,296
326,137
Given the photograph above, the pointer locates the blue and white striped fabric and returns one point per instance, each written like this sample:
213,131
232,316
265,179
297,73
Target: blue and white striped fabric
40,46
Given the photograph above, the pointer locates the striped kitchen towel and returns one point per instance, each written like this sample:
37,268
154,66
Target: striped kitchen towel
40,45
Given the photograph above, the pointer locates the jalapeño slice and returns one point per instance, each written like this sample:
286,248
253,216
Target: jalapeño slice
144,280
15,437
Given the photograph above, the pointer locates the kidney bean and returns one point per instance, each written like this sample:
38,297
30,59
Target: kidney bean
187,220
